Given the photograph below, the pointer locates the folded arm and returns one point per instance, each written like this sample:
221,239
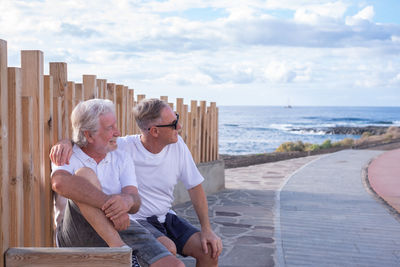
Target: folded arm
78,188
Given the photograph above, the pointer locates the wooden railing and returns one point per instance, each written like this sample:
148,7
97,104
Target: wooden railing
34,114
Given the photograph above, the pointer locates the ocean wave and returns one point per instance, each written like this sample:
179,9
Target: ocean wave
309,132
283,127
231,125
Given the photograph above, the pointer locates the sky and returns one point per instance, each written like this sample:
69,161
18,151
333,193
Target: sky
253,52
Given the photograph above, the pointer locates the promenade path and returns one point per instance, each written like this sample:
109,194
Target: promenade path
312,211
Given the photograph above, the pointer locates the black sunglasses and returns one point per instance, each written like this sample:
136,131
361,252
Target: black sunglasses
173,125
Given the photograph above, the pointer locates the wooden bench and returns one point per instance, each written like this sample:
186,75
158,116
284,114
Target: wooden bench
77,257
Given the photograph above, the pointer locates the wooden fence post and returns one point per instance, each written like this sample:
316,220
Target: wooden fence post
15,158
78,97
89,86
194,126
213,131
101,88
48,142
179,110
32,86
185,122
4,210
216,133
110,92
131,120
58,70
140,97
69,96
119,109
203,108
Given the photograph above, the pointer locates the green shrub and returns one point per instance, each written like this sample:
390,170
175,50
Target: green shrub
344,142
366,134
326,144
291,146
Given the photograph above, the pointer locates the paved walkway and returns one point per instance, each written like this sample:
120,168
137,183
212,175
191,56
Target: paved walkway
313,211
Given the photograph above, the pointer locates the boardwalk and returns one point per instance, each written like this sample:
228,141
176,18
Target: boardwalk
314,211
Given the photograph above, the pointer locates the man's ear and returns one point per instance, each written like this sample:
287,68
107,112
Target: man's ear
153,131
89,136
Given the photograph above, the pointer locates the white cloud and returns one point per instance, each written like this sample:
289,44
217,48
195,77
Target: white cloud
156,43
395,80
323,13
279,72
365,15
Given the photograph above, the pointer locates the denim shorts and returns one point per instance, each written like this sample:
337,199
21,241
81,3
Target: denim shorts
75,231
175,228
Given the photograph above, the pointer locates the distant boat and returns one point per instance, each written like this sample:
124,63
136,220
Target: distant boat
288,105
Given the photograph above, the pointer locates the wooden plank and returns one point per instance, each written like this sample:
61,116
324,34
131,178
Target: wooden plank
119,108
213,107
179,110
32,85
28,177
130,119
203,106
217,133
140,97
48,142
208,134
69,96
185,119
194,126
77,257
110,92
124,110
101,88
78,97
164,98
189,132
4,210
89,86
16,196
58,70
198,135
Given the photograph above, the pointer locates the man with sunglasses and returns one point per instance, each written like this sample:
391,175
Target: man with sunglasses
162,158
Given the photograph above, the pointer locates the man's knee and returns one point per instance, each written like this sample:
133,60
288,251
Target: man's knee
168,243
194,248
90,175
168,261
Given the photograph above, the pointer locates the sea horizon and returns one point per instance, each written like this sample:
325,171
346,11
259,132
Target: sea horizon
249,129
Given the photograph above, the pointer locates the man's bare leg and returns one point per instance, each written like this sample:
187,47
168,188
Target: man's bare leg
96,217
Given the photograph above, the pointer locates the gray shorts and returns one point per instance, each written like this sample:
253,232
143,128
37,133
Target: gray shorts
75,231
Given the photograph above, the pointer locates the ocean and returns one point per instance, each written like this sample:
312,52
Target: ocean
261,129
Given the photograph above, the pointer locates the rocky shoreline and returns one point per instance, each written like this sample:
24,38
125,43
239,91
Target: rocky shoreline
234,161
346,130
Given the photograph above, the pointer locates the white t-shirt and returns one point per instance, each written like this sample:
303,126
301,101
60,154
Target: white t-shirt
157,174
115,172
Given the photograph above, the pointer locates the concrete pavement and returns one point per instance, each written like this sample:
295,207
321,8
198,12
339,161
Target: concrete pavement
313,211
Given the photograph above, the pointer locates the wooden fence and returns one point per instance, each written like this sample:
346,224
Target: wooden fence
34,114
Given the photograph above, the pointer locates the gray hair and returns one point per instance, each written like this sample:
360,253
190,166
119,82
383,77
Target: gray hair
85,117
148,112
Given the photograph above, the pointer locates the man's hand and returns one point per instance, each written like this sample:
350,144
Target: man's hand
122,222
209,237
61,152
117,205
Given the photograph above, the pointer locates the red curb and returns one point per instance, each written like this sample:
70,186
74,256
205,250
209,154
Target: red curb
384,177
